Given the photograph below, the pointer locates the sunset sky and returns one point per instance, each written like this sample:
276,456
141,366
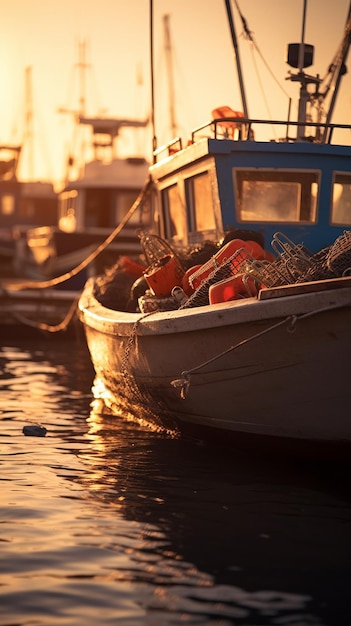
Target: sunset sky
44,36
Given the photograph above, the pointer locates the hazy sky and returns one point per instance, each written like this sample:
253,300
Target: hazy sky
44,35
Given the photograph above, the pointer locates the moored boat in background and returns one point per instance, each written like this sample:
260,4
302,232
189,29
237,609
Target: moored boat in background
89,209
23,204
99,188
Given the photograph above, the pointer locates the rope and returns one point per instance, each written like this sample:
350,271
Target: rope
183,383
18,286
48,327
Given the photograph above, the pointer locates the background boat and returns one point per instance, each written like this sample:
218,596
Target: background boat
100,187
25,202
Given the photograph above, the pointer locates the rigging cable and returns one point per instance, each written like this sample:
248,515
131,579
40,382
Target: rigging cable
248,34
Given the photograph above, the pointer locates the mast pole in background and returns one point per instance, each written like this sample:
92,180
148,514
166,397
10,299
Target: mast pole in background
237,57
154,141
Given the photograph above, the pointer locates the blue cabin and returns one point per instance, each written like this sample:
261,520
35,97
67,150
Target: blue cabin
300,188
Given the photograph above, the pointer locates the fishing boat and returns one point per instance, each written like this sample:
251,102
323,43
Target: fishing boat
239,323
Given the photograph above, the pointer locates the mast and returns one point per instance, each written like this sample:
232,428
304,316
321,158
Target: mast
237,57
78,112
154,140
171,96
82,66
300,56
304,97
28,133
341,68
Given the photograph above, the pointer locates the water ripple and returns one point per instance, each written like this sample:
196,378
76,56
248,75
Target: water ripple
104,521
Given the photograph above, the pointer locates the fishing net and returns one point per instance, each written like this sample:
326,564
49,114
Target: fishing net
318,268
295,258
293,263
155,248
269,274
235,264
296,264
339,255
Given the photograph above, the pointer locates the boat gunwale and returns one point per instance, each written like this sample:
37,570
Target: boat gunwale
96,316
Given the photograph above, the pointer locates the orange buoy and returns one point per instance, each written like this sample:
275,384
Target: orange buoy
186,285
231,288
131,267
164,275
227,251
254,249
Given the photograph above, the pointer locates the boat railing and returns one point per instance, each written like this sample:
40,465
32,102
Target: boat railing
240,128
171,147
220,128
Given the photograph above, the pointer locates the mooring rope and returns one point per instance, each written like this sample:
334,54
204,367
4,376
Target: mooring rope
51,328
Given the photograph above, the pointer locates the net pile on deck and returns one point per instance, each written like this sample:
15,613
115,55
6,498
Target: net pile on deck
293,263
127,285
236,265
296,264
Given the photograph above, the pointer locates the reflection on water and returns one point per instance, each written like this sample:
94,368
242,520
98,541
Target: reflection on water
105,521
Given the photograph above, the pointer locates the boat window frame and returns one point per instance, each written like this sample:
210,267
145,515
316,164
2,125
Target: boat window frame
191,208
67,210
182,180
166,218
7,204
334,201
295,173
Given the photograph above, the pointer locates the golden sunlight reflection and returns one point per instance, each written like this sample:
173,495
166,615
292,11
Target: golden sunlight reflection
112,521
105,403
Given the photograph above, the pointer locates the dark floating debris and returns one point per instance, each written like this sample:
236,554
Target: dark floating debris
34,431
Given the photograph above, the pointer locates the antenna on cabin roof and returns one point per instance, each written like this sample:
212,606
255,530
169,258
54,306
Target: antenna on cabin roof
300,56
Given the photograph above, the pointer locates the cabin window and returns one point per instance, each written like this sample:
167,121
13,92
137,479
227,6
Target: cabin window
173,213
199,201
341,201
67,211
98,204
7,204
271,196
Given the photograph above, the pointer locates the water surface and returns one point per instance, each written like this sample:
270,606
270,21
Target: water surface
105,521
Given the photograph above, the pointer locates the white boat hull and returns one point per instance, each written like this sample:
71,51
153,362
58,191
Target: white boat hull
276,367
